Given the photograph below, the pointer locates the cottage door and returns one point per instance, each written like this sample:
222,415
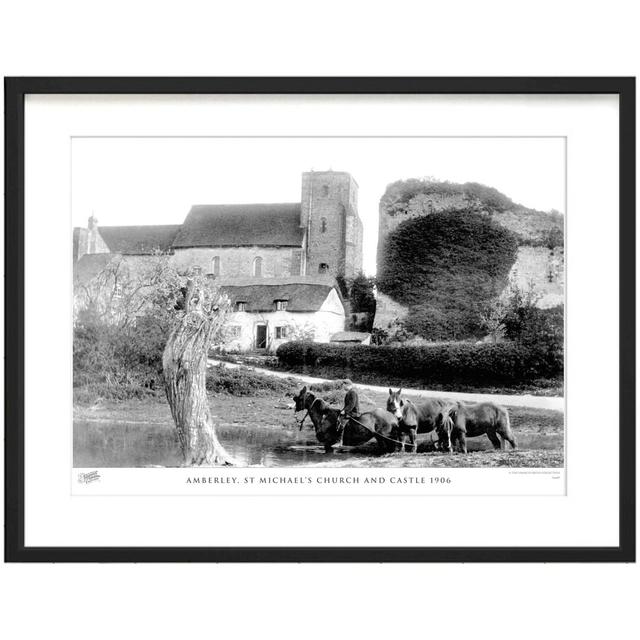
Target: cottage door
261,336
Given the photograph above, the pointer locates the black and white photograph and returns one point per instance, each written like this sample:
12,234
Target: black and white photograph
321,301
367,317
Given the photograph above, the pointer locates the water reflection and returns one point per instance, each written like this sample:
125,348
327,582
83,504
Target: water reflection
117,444
109,444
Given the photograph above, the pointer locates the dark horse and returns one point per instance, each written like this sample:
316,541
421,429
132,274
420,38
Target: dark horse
323,417
460,421
358,428
414,417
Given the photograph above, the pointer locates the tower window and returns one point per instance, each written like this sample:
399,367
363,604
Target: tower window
257,267
323,267
325,190
323,225
215,265
241,306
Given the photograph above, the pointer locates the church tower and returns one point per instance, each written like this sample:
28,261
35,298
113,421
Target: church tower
333,230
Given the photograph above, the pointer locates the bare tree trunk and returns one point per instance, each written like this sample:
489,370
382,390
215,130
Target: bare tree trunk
185,363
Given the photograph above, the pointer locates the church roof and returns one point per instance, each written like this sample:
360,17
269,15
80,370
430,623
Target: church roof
232,225
139,240
300,296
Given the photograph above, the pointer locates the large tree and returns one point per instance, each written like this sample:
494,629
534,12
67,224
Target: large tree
184,365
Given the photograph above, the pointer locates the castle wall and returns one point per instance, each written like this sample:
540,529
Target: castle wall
542,269
420,206
238,261
388,311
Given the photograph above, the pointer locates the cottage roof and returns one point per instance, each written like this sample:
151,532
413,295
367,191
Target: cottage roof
301,296
349,336
224,225
139,240
89,266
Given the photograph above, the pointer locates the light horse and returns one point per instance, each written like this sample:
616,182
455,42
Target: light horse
460,421
414,417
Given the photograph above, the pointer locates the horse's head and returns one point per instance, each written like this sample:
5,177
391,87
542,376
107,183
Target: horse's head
444,427
395,403
300,400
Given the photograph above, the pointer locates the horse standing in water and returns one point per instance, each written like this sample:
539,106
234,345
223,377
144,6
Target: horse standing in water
460,421
357,428
349,426
414,417
323,417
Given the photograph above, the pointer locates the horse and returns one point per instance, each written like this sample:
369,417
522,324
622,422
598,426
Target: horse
460,421
357,428
323,417
414,417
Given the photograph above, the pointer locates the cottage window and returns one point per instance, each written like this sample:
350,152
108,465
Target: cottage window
323,267
257,267
281,332
215,265
234,331
281,305
117,290
197,270
241,306
323,225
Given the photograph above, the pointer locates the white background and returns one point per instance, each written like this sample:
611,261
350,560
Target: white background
55,518
489,38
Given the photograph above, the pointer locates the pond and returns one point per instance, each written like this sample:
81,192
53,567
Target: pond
117,444
138,444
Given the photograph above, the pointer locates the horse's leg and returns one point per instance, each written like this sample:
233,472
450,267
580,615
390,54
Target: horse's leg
462,439
412,440
495,441
328,447
507,434
403,439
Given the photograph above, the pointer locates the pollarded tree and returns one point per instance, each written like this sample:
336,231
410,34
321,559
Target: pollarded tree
184,365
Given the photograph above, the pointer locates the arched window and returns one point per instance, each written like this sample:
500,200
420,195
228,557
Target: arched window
325,190
215,265
257,267
323,267
323,225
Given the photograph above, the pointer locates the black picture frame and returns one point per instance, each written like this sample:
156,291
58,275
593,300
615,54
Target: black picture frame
15,91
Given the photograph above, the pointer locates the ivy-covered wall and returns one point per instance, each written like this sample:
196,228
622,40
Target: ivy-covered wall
446,267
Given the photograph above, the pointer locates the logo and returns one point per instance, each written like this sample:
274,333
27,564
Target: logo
90,476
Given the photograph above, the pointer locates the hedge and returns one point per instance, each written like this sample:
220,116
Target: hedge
507,362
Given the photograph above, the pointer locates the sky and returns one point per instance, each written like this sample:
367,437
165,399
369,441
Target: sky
135,181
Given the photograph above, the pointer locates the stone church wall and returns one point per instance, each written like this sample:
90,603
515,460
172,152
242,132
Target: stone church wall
238,261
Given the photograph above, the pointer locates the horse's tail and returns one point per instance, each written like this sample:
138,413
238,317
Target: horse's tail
504,426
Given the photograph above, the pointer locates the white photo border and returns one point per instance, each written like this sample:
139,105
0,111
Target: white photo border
591,521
